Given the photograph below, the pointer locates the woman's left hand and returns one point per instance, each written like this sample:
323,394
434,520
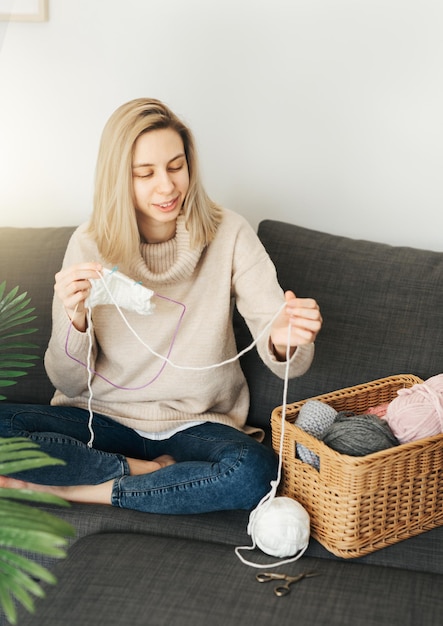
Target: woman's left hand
303,314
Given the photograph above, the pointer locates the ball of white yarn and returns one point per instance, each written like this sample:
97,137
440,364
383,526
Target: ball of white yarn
281,527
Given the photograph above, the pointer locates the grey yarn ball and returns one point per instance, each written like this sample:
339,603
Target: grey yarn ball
315,418
358,435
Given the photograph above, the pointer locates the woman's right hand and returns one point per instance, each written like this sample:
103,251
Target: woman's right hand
72,286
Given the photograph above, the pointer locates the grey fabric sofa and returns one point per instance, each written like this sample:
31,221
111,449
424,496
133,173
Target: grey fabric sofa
382,309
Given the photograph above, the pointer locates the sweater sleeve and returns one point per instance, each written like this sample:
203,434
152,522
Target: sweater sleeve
70,351
259,297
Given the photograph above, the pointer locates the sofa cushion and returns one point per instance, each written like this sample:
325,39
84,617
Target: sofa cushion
381,306
115,579
420,553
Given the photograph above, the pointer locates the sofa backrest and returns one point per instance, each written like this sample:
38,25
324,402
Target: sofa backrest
382,307
29,258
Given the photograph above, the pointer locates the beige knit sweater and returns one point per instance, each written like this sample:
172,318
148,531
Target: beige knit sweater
159,397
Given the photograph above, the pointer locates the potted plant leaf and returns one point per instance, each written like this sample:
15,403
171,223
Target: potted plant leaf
23,528
15,314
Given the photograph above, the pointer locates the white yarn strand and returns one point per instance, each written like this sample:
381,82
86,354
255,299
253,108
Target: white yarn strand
90,372
90,375
188,367
266,502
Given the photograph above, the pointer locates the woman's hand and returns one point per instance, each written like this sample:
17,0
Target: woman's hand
72,286
303,314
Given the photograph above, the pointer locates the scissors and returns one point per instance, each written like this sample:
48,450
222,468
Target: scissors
282,590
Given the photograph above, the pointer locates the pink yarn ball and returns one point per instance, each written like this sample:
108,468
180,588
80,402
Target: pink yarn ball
417,412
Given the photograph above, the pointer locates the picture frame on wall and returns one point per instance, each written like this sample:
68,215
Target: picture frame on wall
23,10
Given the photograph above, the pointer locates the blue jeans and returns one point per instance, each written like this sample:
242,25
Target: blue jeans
218,467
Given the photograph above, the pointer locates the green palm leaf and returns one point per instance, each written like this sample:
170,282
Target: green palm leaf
15,316
18,454
26,528
17,333
23,527
16,360
35,570
16,309
11,373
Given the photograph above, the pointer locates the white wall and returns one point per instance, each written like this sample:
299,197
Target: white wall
327,113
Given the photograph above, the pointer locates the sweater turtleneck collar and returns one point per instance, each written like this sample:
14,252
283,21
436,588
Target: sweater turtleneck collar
169,261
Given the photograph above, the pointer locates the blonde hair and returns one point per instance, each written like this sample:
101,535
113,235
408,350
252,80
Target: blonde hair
113,223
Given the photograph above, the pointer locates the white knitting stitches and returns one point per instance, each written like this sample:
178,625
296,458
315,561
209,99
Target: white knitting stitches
127,293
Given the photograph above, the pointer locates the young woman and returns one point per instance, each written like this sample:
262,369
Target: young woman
166,439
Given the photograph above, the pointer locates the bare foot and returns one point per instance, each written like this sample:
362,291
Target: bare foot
13,483
98,494
138,466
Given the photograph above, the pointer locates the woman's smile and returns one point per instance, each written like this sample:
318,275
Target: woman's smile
168,206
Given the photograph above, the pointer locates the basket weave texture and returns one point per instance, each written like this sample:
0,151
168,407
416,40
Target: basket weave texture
360,504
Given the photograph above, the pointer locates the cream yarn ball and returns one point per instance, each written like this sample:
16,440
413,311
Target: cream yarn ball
280,527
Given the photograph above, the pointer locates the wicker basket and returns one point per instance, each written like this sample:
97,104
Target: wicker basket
360,504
